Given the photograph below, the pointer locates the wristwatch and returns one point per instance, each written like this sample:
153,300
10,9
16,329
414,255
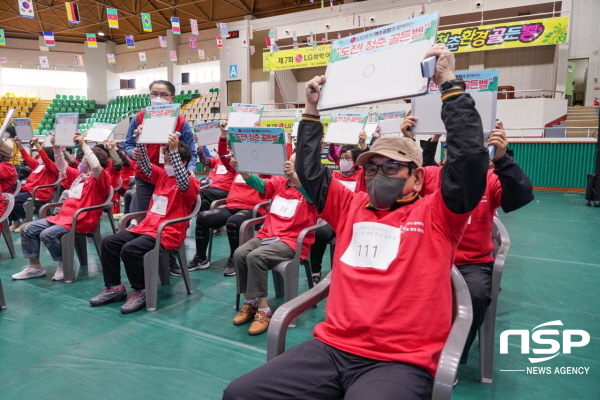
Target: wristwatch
452,82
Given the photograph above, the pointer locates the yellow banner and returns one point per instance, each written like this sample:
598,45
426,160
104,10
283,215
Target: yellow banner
296,58
538,32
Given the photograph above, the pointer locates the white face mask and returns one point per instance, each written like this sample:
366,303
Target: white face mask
158,101
346,165
170,170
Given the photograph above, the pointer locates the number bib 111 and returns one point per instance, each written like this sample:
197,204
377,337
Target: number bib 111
373,245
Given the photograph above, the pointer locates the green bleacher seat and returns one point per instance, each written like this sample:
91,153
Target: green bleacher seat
48,127
57,96
45,132
36,132
64,97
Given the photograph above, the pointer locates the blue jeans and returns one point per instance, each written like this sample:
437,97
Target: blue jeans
42,230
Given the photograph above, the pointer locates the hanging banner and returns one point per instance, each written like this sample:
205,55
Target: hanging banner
173,55
252,50
296,58
3,60
250,33
129,42
142,56
44,63
146,22
113,18
192,40
91,40
2,38
175,26
223,30
78,61
49,39
111,58
537,32
162,41
26,9
201,54
194,27
72,12
219,43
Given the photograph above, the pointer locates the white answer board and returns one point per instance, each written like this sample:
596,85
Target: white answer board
384,75
260,158
343,132
428,110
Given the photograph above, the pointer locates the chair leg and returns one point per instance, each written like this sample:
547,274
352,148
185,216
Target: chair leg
237,289
151,260
163,267
97,238
28,206
486,346
67,243
111,220
308,270
278,284
8,239
81,249
2,300
184,270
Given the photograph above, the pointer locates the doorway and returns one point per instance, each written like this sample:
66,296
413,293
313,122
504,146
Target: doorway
577,75
234,92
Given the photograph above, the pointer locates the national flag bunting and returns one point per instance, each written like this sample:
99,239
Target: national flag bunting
91,40
72,12
142,56
113,18
129,42
175,26
49,39
146,22
201,54
173,55
269,41
162,41
78,61
26,9
2,38
192,42
111,58
194,27
219,43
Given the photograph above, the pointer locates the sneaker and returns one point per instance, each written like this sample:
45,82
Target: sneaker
30,272
229,269
15,225
109,295
245,315
316,278
260,324
134,303
58,274
198,263
175,271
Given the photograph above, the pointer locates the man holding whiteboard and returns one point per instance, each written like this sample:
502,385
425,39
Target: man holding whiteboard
161,92
392,262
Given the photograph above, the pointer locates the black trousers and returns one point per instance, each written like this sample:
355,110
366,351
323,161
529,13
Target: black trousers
18,211
479,281
314,370
209,195
208,220
322,237
131,248
143,193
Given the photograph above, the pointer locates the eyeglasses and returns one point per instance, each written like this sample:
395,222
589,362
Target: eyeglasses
388,168
163,95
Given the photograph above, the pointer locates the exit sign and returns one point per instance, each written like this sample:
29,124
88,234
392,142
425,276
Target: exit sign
233,35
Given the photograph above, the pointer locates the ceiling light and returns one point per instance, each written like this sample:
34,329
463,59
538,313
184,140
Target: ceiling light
100,32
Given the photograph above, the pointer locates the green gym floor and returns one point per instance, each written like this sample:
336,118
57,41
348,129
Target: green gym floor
53,345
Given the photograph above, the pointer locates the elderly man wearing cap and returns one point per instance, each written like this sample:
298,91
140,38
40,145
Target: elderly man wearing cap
389,310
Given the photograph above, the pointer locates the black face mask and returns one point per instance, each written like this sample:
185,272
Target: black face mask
384,191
